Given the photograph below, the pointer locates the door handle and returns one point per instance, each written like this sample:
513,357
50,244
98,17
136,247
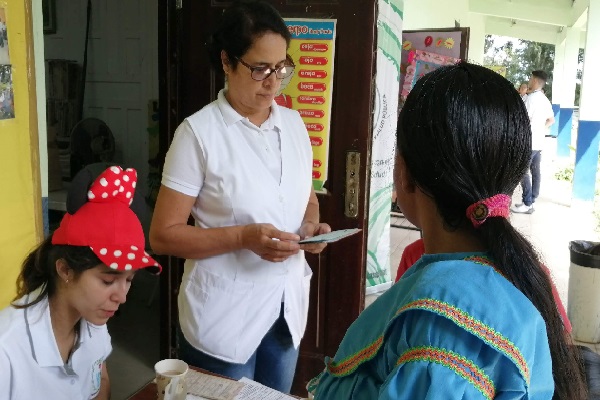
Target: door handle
352,184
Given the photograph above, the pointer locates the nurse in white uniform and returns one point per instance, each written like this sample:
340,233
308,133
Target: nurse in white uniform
53,337
242,167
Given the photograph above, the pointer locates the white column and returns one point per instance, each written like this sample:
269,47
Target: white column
476,38
557,75
588,135
570,63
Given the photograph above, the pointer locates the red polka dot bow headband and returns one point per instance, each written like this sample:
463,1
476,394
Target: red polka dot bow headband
107,224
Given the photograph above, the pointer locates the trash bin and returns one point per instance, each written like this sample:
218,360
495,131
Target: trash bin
584,290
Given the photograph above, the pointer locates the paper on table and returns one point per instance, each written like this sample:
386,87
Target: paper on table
255,391
331,236
211,387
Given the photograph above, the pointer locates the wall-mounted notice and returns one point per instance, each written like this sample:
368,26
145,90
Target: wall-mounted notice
309,90
7,105
4,55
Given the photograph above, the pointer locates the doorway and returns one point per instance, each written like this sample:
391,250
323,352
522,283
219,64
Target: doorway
187,84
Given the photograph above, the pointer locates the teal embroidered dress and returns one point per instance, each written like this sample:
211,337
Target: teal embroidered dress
451,328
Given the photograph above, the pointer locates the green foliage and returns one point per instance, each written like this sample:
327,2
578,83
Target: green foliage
520,57
565,174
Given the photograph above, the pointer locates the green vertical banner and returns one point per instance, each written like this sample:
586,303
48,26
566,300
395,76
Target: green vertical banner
385,115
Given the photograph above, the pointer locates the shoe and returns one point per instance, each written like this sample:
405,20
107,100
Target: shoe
518,205
522,209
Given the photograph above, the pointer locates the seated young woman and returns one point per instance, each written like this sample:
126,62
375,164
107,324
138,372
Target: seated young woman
53,337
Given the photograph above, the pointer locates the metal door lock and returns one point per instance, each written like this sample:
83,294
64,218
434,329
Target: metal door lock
352,184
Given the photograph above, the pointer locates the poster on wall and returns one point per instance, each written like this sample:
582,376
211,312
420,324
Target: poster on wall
309,89
4,54
385,113
425,50
7,105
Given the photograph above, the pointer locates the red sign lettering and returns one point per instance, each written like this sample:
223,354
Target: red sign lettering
307,73
311,87
318,47
317,163
316,141
316,174
311,100
307,60
311,113
314,127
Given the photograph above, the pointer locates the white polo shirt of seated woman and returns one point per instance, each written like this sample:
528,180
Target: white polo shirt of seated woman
30,363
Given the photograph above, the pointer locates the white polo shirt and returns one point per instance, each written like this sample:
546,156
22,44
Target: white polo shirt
539,110
31,366
228,302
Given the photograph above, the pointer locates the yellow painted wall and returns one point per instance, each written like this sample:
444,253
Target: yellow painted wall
20,199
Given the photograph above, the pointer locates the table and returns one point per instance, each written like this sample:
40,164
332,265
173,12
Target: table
148,392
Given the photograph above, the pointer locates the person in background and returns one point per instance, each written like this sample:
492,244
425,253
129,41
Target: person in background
541,117
474,318
53,338
415,250
242,166
523,88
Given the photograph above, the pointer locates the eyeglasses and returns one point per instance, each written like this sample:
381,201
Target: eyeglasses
261,73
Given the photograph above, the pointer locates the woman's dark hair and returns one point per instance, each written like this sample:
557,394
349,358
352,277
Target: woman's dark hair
241,24
39,268
465,136
591,361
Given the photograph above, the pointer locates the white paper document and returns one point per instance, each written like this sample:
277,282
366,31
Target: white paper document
255,391
331,236
209,387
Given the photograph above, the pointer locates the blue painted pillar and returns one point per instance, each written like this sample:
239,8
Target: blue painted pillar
588,134
557,78
554,127
564,126
567,89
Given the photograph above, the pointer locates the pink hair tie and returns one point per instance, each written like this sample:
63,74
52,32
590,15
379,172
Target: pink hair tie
495,206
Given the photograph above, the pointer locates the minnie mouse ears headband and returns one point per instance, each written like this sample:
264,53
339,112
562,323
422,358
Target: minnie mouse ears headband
106,223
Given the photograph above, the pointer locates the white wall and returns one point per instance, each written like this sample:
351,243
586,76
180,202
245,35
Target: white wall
40,89
122,73
423,14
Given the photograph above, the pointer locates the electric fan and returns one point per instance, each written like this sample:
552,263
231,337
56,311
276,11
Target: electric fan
91,141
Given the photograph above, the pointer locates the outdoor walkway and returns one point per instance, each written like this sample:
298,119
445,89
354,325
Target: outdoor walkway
555,222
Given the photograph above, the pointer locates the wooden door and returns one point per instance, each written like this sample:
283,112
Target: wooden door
187,84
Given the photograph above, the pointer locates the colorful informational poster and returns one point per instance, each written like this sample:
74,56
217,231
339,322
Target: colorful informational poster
7,105
385,115
309,89
423,51
4,54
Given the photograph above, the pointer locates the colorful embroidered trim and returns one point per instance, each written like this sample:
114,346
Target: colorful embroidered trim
495,206
483,260
349,364
478,328
460,365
